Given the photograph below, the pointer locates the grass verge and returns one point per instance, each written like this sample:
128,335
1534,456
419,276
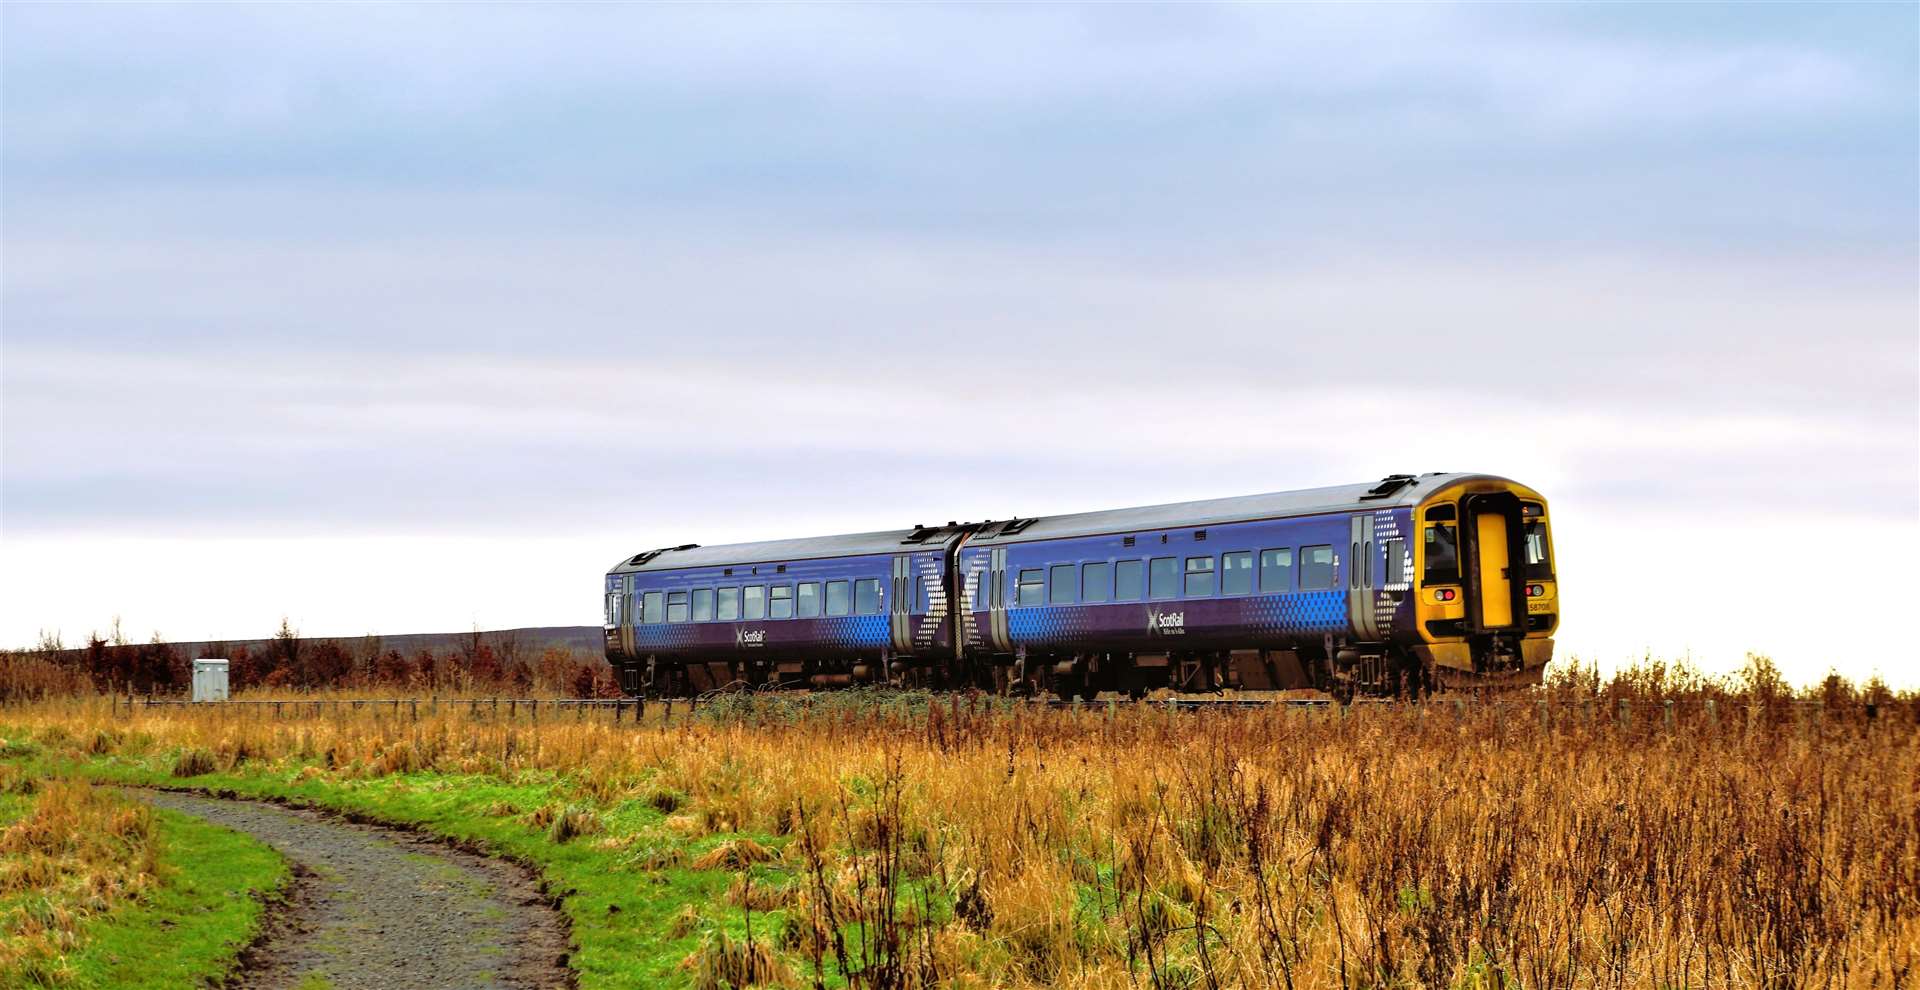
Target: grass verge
97,890
189,930
642,906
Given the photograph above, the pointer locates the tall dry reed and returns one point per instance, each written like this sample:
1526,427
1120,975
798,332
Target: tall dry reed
1557,841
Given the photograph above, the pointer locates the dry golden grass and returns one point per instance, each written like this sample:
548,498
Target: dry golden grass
74,854
968,844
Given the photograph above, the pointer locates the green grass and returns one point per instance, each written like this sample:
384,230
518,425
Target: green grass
189,931
185,932
622,907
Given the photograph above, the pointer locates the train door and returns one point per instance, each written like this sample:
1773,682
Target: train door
1361,578
619,635
997,632
1492,531
901,603
629,636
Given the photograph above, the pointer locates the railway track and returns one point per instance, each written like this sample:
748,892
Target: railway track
636,710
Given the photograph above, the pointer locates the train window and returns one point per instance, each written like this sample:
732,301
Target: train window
727,605
1126,580
1353,570
1369,559
1236,573
866,596
1032,587
676,606
1439,513
753,602
837,598
1276,570
1163,577
654,604
1443,556
1096,582
613,608
1316,568
920,602
703,604
1538,566
1396,562
780,602
1060,589
807,597
1199,577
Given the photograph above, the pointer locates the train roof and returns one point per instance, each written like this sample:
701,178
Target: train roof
1392,491
807,548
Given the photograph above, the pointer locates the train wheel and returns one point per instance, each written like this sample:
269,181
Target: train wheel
1089,690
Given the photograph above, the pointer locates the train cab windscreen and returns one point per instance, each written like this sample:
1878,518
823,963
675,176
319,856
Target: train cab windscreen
1442,555
1538,564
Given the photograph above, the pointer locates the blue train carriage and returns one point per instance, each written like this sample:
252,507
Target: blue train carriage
822,612
1408,584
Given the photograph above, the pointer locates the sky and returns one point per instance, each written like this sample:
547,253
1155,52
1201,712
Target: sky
414,318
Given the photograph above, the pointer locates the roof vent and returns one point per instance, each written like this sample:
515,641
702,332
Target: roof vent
640,559
1017,525
1388,485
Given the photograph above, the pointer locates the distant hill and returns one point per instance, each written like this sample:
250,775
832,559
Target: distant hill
533,639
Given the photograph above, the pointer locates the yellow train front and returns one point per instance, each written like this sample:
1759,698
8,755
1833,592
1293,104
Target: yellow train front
1486,601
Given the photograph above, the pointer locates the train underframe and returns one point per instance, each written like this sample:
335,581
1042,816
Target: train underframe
1340,668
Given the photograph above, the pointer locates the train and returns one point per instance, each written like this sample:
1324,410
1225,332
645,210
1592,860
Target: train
1397,587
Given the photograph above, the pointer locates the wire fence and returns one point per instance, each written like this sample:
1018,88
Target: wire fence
719,707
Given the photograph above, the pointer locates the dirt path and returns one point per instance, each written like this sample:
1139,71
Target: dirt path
386,908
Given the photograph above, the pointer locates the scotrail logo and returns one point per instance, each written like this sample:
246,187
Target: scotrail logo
1166,623
749,637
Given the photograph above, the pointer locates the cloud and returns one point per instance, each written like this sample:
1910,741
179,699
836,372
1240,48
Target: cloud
292,289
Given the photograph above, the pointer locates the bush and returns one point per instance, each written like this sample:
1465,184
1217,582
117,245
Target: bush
193,762
572,823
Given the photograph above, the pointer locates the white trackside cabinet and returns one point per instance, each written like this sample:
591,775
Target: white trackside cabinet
210,680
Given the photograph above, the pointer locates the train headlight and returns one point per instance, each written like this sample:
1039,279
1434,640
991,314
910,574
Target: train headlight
1445,594
1536,590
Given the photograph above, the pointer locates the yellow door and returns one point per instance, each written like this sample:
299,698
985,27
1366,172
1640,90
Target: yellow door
1496,593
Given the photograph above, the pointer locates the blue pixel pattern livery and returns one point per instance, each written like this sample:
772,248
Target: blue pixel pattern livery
1373,586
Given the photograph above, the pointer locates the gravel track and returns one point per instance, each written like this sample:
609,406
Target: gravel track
375,907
